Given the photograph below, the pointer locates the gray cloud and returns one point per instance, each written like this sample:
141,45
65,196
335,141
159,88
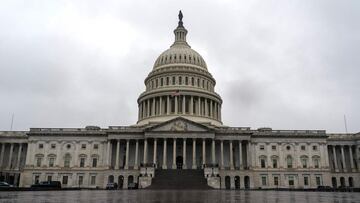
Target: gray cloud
282,64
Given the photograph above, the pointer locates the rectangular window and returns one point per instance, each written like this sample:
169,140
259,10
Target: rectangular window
304,163
37,179
186,80
173,80
180,80
82,162
161,81
274,163
81,178
315,148
262,147
306,181
41,146
38,162
49,178
83,146
291,180
263,180
303,147
94,162
65,180
51,162
273,147
93,180
316,163
276,180
53,146
167,80
263,163
96,146
318,180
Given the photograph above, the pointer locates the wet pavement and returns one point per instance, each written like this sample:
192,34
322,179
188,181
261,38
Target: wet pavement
188,196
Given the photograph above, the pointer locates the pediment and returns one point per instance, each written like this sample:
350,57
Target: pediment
179,124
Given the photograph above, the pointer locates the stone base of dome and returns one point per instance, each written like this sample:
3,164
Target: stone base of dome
160,119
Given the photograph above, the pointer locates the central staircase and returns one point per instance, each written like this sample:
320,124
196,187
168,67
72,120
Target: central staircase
184,179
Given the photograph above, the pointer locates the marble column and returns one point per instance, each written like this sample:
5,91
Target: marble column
351,159
10,156
145,150
206,107
176,105
183,104
222,154
127,154
160,106
248,154
168,105
231,156
191,105
194,154
335,159
164,166
204,153
136,155
148,108
343,158
211,108
108,153
174,154
19,156
153,107
213,152
184,153
199,107
117,155
2,154
155,152
240,155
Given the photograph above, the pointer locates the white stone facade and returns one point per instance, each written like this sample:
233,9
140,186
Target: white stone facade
180,127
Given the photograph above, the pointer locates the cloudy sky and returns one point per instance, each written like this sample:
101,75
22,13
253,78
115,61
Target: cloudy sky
280,64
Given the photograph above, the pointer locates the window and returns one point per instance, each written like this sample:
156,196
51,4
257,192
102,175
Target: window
81,178
180,80
263,180
291,180
288,148
186,81
37,179
318,180
289,161
276,180
68,146
198,84
82,162
51,161
96,146
67,160
274,163
262,147
304,162
303,147
94,162
167,80
192,81
263,162
65,180
93,180
53,146
316,162
314,148
162,82
41,146
173,80
273,147
83,146
306,181
38,161
49,178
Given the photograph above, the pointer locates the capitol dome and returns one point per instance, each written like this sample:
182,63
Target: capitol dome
180,85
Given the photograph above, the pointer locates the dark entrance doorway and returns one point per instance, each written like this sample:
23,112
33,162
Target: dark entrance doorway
227,182
334,182
247,182
121,182
179,162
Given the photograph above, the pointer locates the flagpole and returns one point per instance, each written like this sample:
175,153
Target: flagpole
346,130
12,122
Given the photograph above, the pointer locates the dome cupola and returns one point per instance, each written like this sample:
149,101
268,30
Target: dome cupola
180,85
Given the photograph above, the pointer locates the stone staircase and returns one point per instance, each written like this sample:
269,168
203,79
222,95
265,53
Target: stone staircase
187,179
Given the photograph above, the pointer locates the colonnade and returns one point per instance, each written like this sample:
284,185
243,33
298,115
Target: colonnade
184,143
13,155
180,104
344,161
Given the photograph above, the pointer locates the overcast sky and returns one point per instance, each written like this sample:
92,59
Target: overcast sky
280,64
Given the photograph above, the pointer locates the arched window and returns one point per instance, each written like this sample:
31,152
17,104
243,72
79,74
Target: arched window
304,161
289,161
51,159
94,160
82,159
39,159
316,161
67,160
262,161
274,160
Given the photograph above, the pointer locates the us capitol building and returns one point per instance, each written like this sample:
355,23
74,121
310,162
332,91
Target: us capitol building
180,135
